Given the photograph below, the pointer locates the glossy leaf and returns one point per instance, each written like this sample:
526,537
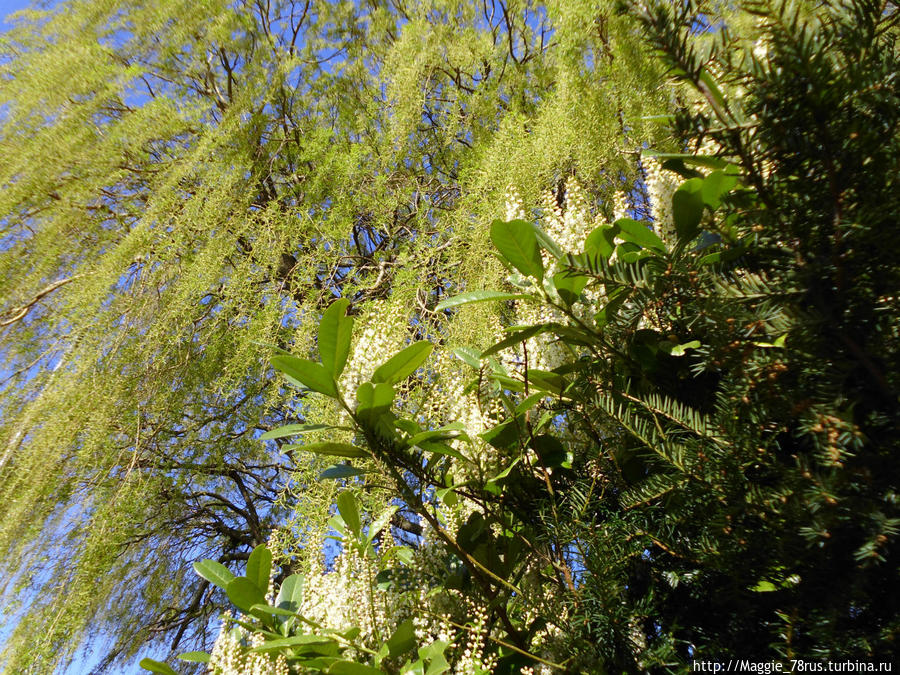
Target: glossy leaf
381,522
335,332
310,374
516,338
157,667
294,641
516,241
339,471
194,657
687,208
292,430
346,504
290,595
244,593
214,572
404,363
600,242
470,297
403,639
353,668
715,186
259,566
469,356
640,234
329,448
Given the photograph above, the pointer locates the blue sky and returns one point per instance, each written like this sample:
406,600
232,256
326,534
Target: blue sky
7,7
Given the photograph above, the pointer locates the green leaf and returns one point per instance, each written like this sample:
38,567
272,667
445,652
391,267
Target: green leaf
374,398
294,641
469,356
157,667
470,297
309,373
335,332
550,450
569,286
516,338
764,587
382,521
547,242
600,242
329,448
403,639
640,234
244,593
516,241
259,566
687,208
215,573
346,505
339,471
293,430
404,363
194,657
715,185
353,668
435,654
258,609
290,595
695,160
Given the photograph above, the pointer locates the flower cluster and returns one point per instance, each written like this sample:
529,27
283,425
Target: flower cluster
384,327
661,185
230,655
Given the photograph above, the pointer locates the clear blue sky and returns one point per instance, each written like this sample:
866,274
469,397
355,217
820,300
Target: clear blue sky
7,7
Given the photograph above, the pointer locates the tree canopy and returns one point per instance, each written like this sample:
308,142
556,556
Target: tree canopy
585,315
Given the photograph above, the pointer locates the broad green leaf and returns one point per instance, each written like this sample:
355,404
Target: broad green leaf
290,595
309,373
715,185
569,286
272,611
547,242
295,641
335,332
640,234
157,667
468,356
764,587
442,449
346,504
403,364
329,448
687,208
259,566
374,397
550,450
353,668
382,521
244,593
403,639
194,657
435,654
339,471
516,338
516,241
695,160
470,297
215,573
293,430
600,242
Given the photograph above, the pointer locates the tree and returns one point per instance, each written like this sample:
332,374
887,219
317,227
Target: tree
185,181
709,450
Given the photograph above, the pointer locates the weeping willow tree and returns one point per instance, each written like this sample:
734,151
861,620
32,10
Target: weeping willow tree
186,186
